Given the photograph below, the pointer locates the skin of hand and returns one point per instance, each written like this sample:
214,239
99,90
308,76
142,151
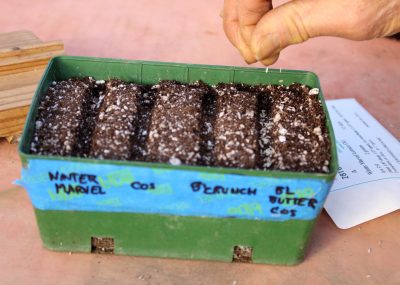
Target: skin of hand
260,31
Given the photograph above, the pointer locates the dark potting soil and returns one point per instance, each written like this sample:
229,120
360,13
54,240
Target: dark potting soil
271,127
175,127
115,122
235,130
60,115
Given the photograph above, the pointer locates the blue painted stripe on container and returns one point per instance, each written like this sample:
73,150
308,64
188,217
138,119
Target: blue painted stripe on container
65,185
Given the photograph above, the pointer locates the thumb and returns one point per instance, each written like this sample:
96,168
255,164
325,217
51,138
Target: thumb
295,22
277,29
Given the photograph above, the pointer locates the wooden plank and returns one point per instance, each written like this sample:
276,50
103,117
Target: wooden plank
27,65
14,99
21,99
20,69
12,123
23,58
16,80
12,129
15,130
12,60
18,38
13,113
21,103
29,60
27,50
17,97
7,95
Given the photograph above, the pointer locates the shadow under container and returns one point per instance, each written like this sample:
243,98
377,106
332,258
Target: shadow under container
161,210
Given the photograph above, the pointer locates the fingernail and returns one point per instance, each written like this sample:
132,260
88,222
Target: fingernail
268,44
270,60
250,61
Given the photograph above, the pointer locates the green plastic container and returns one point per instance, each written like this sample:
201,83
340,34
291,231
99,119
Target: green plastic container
160,210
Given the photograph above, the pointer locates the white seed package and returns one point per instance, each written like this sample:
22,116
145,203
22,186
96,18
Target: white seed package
368,181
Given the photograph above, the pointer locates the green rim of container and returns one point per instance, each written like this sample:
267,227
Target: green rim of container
232,74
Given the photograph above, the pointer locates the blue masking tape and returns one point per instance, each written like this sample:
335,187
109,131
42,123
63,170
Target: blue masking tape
65,185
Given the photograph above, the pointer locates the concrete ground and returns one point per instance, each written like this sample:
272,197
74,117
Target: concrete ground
190,31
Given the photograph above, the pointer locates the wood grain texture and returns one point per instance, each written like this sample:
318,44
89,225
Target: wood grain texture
20,51
12,121
30,62
13,113
11,131
19,79
23,58
18,38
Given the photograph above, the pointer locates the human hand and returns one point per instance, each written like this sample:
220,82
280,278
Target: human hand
260,31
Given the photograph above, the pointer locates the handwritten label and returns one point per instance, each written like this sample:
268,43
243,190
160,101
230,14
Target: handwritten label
199,186
75,183
137,185
121,188
289,202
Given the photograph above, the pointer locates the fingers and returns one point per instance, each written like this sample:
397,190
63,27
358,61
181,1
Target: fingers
260,32
276,30
232,30
297,21
249,13
230,18
270,60
244,48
